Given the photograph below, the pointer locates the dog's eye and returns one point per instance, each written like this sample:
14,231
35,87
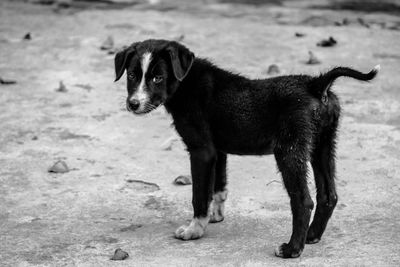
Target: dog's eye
157,79
131,76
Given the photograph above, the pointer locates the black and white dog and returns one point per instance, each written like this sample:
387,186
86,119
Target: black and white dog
217,113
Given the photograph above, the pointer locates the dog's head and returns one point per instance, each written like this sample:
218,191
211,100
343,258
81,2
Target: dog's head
154,70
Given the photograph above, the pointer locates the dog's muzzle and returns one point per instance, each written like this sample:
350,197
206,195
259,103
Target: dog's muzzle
140,107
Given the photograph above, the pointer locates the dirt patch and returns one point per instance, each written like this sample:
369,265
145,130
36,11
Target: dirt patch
127,26
66,135
139,186
13,181
318,21
103,239
132,227
157,203
387,56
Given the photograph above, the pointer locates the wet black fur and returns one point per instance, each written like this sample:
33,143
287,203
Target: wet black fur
217,112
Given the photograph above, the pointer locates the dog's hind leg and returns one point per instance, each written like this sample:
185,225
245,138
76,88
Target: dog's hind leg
291,154
203,163
323,163
220,192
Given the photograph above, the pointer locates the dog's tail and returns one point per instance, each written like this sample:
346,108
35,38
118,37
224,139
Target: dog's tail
320,85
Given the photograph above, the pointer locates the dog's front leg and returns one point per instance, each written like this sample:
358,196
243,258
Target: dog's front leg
203,174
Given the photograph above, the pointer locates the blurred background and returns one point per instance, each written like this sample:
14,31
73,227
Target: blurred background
81,177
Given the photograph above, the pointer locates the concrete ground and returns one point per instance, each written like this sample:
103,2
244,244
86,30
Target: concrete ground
80,217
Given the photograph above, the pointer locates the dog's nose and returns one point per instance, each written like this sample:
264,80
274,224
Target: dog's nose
134,104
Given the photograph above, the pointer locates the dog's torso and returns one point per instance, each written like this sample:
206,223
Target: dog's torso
239,115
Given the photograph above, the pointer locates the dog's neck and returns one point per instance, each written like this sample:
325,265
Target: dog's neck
202,79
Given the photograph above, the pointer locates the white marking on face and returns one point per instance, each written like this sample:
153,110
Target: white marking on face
140,93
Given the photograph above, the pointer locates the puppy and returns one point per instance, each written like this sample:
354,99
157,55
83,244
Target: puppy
217,112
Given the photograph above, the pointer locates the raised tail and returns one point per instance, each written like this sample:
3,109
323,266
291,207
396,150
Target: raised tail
320,85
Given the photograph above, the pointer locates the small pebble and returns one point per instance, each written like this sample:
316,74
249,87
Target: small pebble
115,50
61,88
344,22
27,219
312,60
327,42
86,87
167,144
273,69
299,34
362,22
179,38
107,44
119,255
183,180
112,51
391,25
59,167
27,36
6,81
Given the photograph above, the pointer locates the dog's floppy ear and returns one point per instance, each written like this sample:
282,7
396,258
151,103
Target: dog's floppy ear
121,59
181,59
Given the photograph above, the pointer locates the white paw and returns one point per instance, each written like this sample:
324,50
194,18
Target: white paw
218,207
287,251
194,230
217,212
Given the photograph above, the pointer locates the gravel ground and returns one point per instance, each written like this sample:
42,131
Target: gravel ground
79,218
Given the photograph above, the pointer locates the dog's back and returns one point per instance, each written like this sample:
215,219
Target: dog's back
246,116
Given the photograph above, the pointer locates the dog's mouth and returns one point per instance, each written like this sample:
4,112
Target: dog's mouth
143,108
